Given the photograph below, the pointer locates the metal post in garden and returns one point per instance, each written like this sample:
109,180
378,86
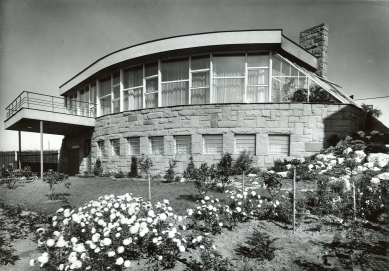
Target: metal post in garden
294,199
243,184
355,205
148,176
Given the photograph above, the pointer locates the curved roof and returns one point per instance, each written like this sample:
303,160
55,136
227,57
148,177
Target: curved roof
203,40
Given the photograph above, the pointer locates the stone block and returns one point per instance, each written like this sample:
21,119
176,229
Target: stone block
228,143
286,113
132,118
187,112
313,146
294,119
214,120
297,147
297,112
307,131
239,118
226,124
261,122
307,110
266,113
295,138
273,124
261,144
250,123
284,106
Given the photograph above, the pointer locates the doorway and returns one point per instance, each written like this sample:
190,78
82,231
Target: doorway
74,162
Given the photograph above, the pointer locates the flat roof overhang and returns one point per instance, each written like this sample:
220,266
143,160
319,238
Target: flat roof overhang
28,120
229,40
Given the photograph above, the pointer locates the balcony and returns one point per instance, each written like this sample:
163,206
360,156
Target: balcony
58,115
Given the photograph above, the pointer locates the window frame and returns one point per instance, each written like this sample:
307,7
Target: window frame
129,146
175,145
152,139
239,150
114,146
281,153
209,136
102,152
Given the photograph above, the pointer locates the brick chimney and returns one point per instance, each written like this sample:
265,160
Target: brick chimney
315,41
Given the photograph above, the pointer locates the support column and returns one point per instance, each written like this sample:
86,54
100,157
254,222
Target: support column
41,130
20,151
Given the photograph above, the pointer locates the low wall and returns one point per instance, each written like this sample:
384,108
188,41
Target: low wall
307,124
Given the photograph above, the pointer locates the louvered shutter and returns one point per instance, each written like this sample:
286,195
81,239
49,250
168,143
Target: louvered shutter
212,144
279,144
134,146
244,142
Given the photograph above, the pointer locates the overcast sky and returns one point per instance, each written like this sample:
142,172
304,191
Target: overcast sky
46,42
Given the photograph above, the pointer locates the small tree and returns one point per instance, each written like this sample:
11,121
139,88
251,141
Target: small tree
54,178
145,164
97,169
370,113
204,178
190,171
134,167
243,164
170,172
224,170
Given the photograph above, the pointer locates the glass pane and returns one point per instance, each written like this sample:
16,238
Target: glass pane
200,96
105,86
173,70
228,66
244,142
200,79
133,146
115,147
276,66
212,144
105,105
182,145
156,145
116,106
175,93
116,78
302,83
116,92
258,77
151,69
133,77
151,100
93,93
228,90
151,85
258,60
285,69
283,89
257,94
294,71
199,62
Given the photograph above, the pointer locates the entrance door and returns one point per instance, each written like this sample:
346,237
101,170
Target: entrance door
74,162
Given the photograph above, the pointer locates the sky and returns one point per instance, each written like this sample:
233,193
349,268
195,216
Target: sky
44,43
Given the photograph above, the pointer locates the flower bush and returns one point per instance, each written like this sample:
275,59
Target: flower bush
111,232
206,216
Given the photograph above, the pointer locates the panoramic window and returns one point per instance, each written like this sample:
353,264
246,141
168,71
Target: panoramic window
244,142
200,80
212,144
228,78
115,147
182,144
133,88
101,149
175,81
286,80
84,101
151,78
258,77
156,145
134,146
116,92
105,96
279,144
72,104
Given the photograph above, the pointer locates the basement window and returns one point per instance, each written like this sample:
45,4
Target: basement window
279,144
244,142
212,144
182,145
156,145
134,146
115,147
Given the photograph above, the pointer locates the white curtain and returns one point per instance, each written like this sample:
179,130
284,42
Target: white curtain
228,90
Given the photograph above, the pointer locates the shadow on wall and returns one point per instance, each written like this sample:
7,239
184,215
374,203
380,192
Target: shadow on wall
347,120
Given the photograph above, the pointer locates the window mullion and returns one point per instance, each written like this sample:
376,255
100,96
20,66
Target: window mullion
144,88
270,76
121,95
159,104
211,78
245,79
190,81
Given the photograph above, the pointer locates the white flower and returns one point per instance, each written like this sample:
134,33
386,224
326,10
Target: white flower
134,228
61,242
74,240
127,263
97,250
32,262
50,242
253,193
181,248
238,209
199,238
151,213
277,202
163,217
166,201
79,248
111,253
126,242
202,247
207,198
96,237
119,261
107,241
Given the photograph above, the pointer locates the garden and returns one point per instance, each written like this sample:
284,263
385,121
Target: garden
325,212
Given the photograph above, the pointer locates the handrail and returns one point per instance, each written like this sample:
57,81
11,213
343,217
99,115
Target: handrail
34,100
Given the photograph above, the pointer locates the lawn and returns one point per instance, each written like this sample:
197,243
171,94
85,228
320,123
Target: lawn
33,196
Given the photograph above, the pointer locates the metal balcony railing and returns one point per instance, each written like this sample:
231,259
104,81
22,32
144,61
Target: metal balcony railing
50,103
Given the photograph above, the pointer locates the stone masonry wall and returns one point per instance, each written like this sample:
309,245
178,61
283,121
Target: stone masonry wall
307,124
315,41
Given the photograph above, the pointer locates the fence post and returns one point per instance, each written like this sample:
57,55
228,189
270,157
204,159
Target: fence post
294,199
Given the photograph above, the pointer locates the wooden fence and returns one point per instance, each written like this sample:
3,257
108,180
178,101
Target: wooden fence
31,159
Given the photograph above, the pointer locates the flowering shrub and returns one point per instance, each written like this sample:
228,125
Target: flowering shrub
206,216
224,170
12,176
204,178
210,260
109,233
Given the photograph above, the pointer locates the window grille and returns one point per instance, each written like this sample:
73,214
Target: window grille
115,147
182,145
156,145
212,144
279,144
134,146
244,142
